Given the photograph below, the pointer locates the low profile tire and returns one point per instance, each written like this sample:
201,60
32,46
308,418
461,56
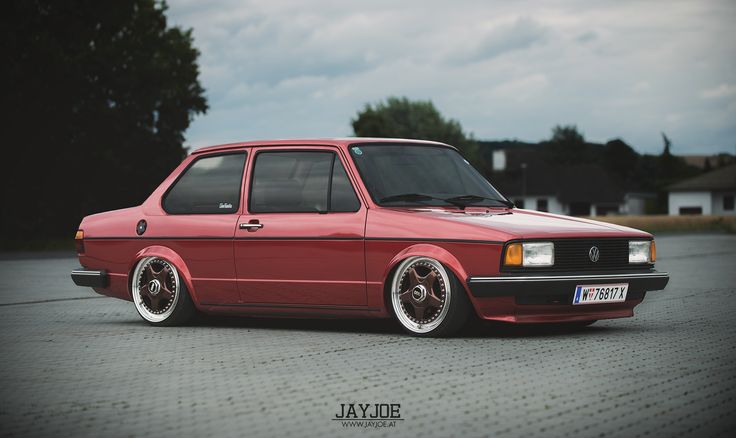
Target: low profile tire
159,295
427,299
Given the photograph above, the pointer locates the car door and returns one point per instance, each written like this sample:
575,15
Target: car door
197,220
301,240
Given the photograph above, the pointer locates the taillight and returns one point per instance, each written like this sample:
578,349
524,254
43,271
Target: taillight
79,241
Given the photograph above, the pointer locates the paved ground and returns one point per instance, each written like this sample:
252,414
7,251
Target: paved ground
88,366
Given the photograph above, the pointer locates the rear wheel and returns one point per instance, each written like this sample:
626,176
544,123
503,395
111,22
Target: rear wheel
159,295
427,299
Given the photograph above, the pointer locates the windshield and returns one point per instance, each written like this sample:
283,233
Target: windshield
404,174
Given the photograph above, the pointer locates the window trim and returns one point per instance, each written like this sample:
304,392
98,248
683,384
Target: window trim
252,175
190,165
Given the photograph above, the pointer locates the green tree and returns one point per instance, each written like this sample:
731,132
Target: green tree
98,96
672,168
620,158
667,145
567,146
567,134
399,117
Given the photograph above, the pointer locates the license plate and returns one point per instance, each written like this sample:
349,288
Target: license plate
600,293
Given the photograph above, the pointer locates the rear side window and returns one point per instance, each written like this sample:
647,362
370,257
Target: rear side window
300,182
210,185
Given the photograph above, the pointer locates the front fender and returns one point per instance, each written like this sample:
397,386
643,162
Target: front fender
438,253
172,257
428,250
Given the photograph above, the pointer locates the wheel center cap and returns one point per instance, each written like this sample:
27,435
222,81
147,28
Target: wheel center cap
154,286
419,293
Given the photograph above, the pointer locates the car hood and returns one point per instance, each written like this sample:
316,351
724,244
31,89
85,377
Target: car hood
506,224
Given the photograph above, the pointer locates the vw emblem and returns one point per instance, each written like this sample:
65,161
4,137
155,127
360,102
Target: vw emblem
594,254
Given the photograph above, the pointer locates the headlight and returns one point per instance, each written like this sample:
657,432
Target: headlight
641,251
530,254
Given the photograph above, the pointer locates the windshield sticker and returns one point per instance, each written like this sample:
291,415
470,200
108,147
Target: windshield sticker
357,151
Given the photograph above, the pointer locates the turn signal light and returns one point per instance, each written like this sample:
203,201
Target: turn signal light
514,255
79,241
653,253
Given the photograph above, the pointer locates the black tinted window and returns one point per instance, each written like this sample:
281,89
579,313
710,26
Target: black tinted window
209,185
343,196
290,182
435,173
297,182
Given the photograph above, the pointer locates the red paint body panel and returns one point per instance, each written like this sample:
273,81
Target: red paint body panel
334,264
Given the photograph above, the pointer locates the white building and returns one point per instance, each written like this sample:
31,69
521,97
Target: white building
710,193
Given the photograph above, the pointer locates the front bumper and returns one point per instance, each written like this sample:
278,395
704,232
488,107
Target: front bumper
545,298
536,284
90,278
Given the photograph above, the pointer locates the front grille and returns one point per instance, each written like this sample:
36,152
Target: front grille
571,255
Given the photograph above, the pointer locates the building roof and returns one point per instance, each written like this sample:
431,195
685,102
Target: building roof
568,182
718,180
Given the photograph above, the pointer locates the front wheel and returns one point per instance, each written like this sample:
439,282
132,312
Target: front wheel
159,295
427,299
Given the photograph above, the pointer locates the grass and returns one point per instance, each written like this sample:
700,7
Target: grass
664,223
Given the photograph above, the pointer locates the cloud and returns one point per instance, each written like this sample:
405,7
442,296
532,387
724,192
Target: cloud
719,92
587,37
496,39
503,69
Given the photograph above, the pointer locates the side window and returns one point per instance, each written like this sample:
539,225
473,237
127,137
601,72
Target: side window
290,182
300,182
210,185
343,197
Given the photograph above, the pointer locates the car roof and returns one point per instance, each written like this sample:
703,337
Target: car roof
342,142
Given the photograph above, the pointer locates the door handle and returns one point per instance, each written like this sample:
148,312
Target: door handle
250,227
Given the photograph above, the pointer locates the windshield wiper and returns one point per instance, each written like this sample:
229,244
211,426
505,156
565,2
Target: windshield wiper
465,200
410,197
457,201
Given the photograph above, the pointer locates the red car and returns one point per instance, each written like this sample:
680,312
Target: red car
357,228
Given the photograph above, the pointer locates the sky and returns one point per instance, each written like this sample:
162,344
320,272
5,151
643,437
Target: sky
503,69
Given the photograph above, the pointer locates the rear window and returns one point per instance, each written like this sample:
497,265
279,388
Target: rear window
210,185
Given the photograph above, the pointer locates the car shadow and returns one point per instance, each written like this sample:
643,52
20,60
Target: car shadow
374,326
475,329
497,329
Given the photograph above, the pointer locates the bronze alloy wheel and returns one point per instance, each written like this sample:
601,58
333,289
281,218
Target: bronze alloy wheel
156,289
421,293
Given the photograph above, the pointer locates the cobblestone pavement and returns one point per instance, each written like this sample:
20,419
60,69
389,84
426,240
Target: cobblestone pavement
88,366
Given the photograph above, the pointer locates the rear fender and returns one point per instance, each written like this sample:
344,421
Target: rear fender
172,257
